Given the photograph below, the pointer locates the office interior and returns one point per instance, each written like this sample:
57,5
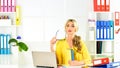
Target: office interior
40,19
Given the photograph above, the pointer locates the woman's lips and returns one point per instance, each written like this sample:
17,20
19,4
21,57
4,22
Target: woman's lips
69,30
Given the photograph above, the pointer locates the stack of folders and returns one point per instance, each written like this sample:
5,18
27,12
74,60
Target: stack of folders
7,5
5,48
101,5
104,30
101,61
109,65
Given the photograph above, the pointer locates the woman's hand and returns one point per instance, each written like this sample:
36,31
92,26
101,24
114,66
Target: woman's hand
76,63
52,42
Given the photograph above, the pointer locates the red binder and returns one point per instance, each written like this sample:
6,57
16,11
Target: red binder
96,5
101,61
107,5
117,18
102,5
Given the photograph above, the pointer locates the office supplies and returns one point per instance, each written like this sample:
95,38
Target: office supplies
107,30
110,65
60,34
13,6
1,43
2,5
99,47
18,15
56,33
107,5
102,5
97,30
5,5
5,41
102,29
111,29
9,5
8,46
117,18
101,61
96,5
44,59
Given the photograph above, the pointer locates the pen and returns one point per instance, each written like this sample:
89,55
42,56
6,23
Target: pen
56,33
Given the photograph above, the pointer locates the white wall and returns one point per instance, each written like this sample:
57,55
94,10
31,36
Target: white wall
46,16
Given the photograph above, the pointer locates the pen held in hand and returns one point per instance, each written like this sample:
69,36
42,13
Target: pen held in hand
56,33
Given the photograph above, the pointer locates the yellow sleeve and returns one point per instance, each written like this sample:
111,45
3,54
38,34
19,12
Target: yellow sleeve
85,53
63,53
58,53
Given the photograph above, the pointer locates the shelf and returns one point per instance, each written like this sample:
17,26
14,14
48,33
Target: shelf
106,54
7,59
7,12
111,40
102,54
100,40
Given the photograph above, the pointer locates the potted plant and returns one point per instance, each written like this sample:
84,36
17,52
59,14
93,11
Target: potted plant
21,45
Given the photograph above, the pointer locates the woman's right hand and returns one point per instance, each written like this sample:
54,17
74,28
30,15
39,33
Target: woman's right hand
52,42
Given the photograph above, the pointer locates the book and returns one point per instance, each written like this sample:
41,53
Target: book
99,47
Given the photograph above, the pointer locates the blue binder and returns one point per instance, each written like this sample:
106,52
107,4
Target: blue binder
110,65
107,30
102,30
5,47
8,47
111,29
98,30
1,43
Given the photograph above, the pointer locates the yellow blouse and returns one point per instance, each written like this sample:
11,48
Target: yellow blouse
63,53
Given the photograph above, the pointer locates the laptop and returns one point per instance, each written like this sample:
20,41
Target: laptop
44,59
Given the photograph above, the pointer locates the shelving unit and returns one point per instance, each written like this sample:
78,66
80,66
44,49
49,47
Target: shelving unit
105,45
100,30
8,25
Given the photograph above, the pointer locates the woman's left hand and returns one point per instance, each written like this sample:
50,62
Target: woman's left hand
75,63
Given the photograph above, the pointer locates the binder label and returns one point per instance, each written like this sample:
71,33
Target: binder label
97,62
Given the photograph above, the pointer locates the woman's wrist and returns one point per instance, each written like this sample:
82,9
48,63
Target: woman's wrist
52,48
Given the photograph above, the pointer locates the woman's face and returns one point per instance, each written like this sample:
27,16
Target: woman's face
70,28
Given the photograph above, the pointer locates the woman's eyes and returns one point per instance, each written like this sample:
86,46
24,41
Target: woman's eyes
73,26
67,25
70,26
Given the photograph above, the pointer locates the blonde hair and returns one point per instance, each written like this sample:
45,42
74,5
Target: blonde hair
76,39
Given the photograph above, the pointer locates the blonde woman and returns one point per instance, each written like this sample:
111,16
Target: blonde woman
71,44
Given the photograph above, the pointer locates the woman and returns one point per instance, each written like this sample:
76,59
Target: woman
72,42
